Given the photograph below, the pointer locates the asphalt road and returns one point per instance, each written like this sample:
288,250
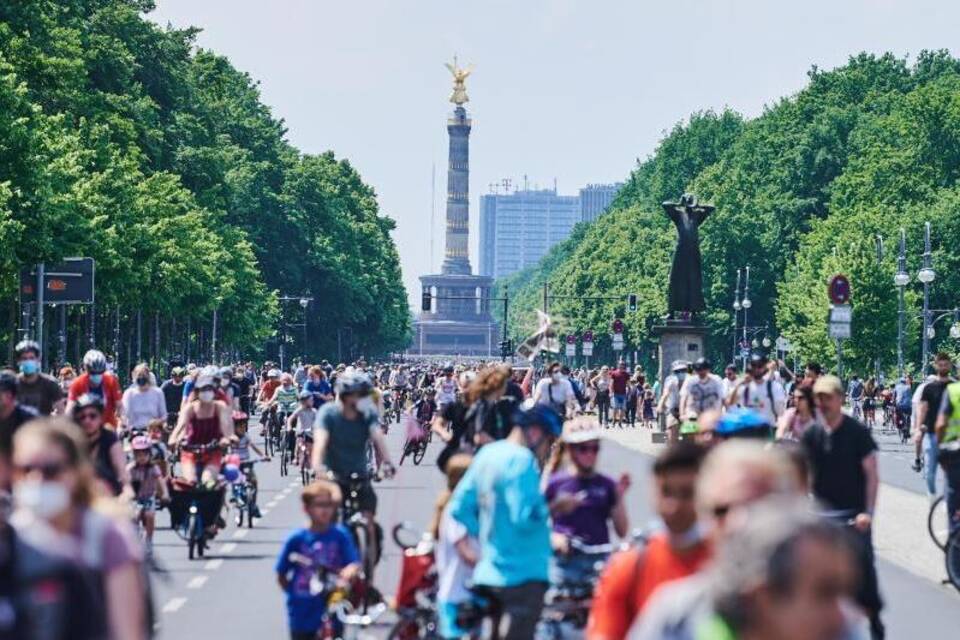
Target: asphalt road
232,592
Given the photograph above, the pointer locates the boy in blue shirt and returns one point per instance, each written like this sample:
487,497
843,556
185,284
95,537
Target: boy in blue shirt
323,544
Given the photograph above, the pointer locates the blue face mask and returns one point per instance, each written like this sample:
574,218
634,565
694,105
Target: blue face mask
29,367
96,379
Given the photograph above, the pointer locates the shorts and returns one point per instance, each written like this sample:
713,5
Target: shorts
619,400
366,498
205,459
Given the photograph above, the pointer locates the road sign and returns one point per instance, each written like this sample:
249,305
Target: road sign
588,336
571,339
782,344
70,282
618,326
744,352
841,313
571,350
618,342
839,289
840,330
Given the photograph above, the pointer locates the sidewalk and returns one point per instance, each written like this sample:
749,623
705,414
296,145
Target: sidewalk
900,527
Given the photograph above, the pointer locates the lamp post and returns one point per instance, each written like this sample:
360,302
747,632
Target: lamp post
926,275
900,280
746,303
736,314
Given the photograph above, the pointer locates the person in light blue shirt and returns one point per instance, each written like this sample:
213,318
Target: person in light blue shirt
500,504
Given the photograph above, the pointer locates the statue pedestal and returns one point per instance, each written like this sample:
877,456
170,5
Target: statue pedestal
679,340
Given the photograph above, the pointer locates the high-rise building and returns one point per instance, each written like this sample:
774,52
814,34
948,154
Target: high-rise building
519,227
596,198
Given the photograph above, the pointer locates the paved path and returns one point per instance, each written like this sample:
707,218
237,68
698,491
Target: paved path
233,594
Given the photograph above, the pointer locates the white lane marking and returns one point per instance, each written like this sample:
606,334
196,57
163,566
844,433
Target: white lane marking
264,512
294,484
174,604
197,582
213,565
228,547
241,533
285,492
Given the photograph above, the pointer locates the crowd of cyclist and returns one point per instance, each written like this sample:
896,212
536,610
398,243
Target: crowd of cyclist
527,510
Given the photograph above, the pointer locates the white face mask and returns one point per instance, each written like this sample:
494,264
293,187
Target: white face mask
206,395
365,405
556,376
46,500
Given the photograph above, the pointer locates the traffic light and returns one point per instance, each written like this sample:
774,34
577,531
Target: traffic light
506,348
632,302
426,302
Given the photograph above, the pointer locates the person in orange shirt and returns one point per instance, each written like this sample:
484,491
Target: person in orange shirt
677,552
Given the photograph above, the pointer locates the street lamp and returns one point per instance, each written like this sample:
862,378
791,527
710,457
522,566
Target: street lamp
900,280
736,313
926,275
746,304
766,342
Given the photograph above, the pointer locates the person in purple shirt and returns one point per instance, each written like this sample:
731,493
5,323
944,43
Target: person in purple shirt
583,502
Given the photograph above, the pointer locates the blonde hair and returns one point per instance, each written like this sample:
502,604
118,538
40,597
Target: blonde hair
67,436
486,382
770,468
142,370
320,488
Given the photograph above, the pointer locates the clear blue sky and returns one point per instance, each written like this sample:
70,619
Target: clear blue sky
575,90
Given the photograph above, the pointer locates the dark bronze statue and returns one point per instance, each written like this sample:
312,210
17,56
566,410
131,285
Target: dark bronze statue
686,274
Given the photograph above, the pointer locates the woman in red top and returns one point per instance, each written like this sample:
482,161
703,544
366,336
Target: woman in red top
203,422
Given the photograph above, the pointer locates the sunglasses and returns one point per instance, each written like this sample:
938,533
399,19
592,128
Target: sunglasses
87,416
49,471
720,511
586,448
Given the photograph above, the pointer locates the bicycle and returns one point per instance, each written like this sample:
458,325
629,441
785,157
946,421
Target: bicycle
417,593
243,494
567,604
369,547
305,449
287,449
416,446
194,509
951,557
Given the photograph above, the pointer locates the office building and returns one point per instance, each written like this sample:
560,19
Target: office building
596,198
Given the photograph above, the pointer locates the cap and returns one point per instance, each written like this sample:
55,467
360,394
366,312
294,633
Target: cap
304,395
203,381
140,443
829,385
679,365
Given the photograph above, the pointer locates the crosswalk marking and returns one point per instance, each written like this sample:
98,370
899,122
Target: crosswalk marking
174,604
197,582
213,565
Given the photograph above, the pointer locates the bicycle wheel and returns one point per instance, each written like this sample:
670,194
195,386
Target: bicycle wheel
938,523
952,559
420,453
193,548
239,517
406,452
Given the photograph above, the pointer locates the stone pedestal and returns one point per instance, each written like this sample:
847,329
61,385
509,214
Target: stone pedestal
679,340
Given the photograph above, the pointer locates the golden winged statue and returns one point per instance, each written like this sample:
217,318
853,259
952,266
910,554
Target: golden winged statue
459,95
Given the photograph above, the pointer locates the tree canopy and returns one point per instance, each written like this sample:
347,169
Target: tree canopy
123,141
802,192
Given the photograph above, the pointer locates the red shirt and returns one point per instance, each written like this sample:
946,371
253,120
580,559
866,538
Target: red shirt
619,381
630,579
109,392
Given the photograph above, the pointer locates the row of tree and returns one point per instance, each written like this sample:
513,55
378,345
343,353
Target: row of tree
122,141
802,192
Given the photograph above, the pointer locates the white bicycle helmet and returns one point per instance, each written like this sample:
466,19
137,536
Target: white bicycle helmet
94,361
581,429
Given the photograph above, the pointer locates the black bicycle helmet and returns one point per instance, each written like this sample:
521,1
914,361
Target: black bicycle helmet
702,363
27,345
353,382
94,361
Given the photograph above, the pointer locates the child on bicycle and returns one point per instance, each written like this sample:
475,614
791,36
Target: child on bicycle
301,423
241,444
146,479
425,408
322,545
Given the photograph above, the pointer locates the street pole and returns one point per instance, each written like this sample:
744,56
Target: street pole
901,279
213,337
546,296
736,314
840,359
746,304
926,276
62,335
506,311
40,292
